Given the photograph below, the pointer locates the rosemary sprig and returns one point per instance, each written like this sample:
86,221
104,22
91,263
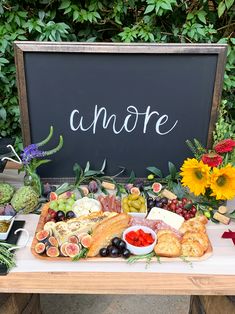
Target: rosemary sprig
148,257
184,259
81,254
7,258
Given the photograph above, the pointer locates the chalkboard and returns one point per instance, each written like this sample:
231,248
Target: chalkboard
134,105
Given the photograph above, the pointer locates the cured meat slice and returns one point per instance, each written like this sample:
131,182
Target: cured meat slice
110,203
156,225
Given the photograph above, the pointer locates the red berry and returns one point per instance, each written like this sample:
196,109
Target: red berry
172,206
175,201
184,200
193,210
179,211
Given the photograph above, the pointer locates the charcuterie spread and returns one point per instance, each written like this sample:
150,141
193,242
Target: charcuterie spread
102,228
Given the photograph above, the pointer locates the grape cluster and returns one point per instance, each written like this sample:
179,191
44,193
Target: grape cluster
184,208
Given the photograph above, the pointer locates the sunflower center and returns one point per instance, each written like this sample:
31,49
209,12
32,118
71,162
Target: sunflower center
221,181
198,174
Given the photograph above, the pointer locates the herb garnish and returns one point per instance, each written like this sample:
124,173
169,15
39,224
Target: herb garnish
7,258
81,254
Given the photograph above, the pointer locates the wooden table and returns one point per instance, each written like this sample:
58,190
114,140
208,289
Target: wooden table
108,282
118,283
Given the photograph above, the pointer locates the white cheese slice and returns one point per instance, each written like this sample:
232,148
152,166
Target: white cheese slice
172,219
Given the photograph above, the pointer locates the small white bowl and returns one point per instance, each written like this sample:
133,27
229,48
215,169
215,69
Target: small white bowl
4,235
136,250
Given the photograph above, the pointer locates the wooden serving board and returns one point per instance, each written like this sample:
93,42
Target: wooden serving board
40,226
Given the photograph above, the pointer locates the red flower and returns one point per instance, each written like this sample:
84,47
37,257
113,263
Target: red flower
224,146
212,159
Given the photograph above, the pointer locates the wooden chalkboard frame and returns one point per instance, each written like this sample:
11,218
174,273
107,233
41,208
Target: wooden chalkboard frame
133,48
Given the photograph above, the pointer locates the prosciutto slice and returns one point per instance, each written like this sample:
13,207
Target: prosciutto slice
156,225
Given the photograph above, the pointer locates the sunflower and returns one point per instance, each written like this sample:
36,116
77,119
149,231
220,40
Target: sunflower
222,182
195,175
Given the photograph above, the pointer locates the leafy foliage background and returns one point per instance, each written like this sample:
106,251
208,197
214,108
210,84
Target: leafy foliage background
161,21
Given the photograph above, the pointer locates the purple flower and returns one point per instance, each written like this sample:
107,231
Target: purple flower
31,152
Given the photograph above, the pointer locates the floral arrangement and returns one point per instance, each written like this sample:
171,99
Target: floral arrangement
32,158
211,173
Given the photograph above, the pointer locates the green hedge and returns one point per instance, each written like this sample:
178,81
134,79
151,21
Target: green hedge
160,21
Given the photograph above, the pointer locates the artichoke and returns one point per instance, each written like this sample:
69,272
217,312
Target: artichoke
26,199
6,192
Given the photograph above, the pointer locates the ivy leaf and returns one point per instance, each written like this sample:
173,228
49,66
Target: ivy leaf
201,15
221,9
155,171
229,3
65,4
3,113
149,8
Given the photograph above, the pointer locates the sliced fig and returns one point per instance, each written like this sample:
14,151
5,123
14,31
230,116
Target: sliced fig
86,241
73,239
40,248
53,196
62,249
53,241
72,249
42,235
81,235
156,187
52,251
135,190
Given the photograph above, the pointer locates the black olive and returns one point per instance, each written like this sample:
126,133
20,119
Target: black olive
126,253
115,241
114,252
121,246
151,204
70,214
60,215
109,248
104,252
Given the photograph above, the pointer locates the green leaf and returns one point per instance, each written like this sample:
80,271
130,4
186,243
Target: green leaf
91,173
221,9
229,3
103,166
149,8
132,177
87,167
172,170
3,60
166,6
78,171
3,113
64,5
201,15
155,171
232,215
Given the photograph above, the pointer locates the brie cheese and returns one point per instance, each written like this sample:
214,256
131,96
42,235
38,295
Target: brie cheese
172,219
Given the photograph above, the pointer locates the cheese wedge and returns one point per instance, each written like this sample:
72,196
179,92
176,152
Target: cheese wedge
172,219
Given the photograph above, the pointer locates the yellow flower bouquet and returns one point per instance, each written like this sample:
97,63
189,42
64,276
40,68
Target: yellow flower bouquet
210,174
